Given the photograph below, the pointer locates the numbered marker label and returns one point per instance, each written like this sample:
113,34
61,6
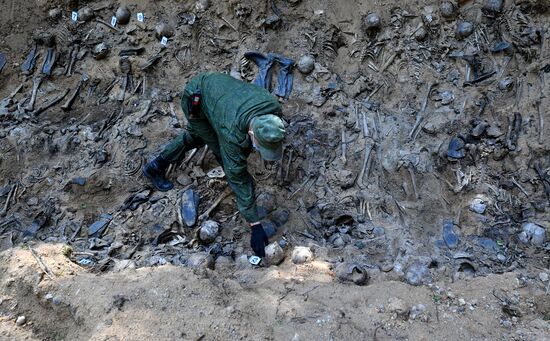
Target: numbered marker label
113,21
74,16
254,260
164,41
140,17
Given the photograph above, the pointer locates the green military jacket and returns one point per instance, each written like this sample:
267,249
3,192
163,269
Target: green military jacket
227,107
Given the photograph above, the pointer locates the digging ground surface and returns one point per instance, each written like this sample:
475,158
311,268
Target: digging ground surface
415,173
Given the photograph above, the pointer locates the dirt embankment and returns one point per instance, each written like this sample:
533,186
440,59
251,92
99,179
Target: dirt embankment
288,302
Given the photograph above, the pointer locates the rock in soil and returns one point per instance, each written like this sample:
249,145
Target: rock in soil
21,320
208,232
350,272
301,254
306,64
200,260
274,254
398,307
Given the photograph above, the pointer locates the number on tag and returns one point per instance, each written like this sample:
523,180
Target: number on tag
254,260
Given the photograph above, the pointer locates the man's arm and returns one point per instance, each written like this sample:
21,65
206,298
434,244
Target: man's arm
242,184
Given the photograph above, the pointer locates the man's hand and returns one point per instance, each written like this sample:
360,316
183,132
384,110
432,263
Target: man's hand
258,239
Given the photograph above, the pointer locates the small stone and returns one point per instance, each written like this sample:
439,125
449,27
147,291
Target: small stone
461,301
21,320
200,260
492,7
479,129
242,262
493,131
85,13
543,276
100,51
378,231
209,231
223,263
164,30
274,254
464,29
506,323
32,201
533,233
506,83
418,274
55,13
398,307
420,34
447,9
301,254
56,300
184,180
350,272
345,178
386,266
447,97
202,5
373,22
123,265
306,64
122,15
418,312
478,206
267,201
272,20
80,181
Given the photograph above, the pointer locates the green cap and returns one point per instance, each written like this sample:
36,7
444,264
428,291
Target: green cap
269,132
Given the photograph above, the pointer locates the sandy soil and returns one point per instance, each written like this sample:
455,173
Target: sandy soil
288,302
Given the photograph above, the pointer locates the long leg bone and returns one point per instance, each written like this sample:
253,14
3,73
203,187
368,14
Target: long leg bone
203,155
288,165
67,106
74,54
51,103
344,143
410,168
35,85
8,199
420,116
215,204
366,163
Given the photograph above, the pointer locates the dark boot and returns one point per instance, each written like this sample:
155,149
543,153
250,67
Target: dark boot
156,172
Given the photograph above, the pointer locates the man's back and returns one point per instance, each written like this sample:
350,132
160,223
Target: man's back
229,104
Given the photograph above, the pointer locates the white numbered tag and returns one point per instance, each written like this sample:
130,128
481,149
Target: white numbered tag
254,260
74,16
140,17
164,41
113,21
